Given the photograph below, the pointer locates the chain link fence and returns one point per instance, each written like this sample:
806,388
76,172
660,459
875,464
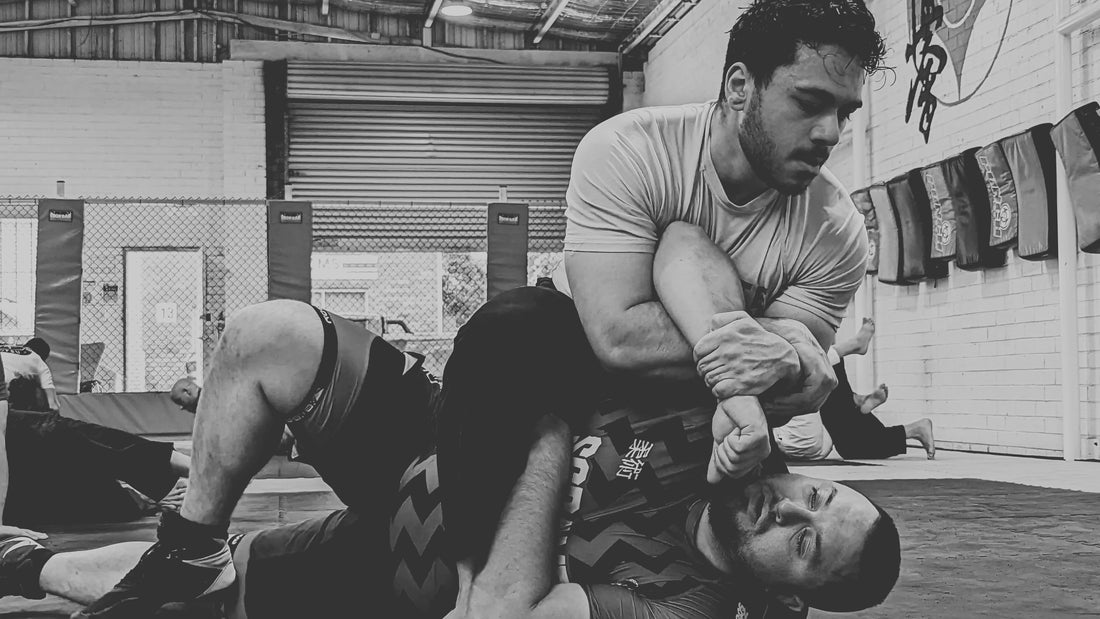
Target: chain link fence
415,273
18,256
162,275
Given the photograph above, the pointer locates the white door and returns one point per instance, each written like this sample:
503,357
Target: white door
164,303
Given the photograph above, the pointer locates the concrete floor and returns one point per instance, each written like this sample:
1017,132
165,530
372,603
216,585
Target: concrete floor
982,535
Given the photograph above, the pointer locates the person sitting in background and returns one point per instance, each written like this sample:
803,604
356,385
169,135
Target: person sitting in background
31,383
845,420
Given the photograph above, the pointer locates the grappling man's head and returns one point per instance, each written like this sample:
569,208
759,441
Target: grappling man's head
811,539
185,394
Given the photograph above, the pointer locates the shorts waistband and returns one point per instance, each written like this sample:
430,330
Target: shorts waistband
324,371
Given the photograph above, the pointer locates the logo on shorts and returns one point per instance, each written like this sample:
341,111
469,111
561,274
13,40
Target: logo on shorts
313,402
742,612
290,217
507,220
630,467
65,217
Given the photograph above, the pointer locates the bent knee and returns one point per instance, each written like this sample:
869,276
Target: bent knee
278,344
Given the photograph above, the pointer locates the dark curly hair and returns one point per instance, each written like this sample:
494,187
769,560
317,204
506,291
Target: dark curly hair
767,35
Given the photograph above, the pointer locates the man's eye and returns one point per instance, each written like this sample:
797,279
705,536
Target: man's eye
807,107
813,499
801,542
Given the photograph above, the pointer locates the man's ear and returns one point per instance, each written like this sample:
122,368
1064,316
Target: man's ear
791,602
737,84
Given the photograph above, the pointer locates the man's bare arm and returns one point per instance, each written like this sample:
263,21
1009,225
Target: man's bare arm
517,581
626,324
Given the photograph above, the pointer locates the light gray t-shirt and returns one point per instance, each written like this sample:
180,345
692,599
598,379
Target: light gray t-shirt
637,172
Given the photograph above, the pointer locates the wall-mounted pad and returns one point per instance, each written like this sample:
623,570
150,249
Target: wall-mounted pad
1077,138
889,259
1030,156
1003,210
862,200
971,203
942,208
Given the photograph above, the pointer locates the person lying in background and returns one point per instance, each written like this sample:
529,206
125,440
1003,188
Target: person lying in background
846,422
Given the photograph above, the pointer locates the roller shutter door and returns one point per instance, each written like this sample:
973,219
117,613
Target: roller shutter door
400,134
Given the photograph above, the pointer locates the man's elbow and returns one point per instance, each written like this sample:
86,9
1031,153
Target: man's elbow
615,355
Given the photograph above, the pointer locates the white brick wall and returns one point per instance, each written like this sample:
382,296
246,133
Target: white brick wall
975,352
131,128
686,64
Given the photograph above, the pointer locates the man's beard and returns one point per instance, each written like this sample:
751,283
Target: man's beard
727,528
760,150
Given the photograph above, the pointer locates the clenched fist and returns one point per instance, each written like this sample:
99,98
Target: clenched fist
740,357
741,439
810,386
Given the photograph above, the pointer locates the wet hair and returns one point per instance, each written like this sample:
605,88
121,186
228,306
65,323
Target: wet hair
767,35
39,347
873,579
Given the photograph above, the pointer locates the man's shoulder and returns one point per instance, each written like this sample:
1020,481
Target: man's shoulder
829,205
645,123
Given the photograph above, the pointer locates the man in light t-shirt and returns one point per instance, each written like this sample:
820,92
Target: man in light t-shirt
27,372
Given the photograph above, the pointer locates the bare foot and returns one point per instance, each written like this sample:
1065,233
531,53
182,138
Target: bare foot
873,400
922,431
862,341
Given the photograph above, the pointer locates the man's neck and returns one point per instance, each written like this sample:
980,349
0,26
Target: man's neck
738,179
707,544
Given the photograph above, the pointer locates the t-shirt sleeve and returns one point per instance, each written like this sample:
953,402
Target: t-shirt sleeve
704,602
45,377
609,203
833,266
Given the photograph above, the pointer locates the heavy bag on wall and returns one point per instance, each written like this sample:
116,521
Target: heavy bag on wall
889,261
942,208
1077,138
970,200
862,200
889,235
914,224
1003,210
932,269
1030,156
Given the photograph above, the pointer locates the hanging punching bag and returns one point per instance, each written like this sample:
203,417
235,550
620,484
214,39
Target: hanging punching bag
1077,138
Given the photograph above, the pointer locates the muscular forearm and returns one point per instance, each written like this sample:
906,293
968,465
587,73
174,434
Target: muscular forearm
519,571
646,342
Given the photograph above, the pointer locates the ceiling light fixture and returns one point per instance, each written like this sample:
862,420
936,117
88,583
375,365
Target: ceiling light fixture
456,10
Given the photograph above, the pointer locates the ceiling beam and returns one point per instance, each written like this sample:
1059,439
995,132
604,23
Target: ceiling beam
651,22
431,9
557,7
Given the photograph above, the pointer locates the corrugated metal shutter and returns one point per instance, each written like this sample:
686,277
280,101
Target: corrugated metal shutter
447,83
437,133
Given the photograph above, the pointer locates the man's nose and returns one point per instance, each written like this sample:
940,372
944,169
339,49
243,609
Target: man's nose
827,131
789,512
